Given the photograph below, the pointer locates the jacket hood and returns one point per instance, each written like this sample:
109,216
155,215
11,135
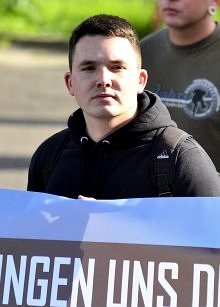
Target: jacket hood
152,115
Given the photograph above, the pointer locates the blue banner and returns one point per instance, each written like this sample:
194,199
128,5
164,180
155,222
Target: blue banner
192,221
153,252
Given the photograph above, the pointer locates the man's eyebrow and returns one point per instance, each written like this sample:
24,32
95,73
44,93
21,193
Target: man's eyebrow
119,61
86,62
90,62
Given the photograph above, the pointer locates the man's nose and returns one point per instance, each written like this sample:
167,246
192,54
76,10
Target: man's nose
104,78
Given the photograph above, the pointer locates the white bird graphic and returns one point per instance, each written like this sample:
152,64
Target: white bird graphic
48,216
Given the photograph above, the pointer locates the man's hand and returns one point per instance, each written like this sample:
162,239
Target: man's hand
85,198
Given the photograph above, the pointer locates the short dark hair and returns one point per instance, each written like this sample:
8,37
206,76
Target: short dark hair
106,25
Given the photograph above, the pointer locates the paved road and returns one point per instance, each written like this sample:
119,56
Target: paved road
34,104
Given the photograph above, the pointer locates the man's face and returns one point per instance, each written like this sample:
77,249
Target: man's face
183,13
105,79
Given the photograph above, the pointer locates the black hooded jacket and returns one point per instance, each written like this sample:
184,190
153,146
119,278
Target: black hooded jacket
120,166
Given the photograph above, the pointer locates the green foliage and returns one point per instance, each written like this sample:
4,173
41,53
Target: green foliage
57,18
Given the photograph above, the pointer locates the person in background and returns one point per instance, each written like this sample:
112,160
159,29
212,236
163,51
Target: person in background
106,151
183,64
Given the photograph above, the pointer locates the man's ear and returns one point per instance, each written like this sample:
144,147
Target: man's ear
142,80
68,82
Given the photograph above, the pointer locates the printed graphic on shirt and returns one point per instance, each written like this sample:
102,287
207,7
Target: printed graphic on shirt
200,100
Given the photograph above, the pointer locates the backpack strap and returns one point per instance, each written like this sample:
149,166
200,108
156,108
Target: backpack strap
165,145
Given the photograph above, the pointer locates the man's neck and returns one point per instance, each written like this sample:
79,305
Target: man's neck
100,129
192,34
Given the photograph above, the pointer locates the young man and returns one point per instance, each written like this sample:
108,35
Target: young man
183,64
107,152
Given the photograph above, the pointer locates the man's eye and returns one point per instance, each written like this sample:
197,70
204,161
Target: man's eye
88,68
117,67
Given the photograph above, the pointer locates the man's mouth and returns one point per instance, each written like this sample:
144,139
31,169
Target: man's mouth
103,95
170,11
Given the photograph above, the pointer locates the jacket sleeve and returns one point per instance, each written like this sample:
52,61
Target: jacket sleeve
195,173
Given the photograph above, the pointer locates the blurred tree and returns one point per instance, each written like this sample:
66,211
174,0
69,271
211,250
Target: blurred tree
8,6
51,18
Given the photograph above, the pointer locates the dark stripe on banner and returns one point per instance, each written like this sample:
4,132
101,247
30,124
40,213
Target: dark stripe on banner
55,273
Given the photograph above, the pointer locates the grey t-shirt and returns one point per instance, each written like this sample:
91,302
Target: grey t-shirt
187,78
